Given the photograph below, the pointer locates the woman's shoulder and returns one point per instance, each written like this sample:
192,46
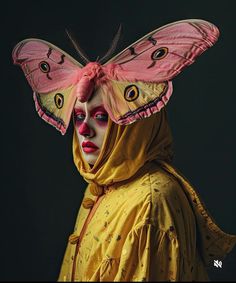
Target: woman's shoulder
163,183
154,180
156,183
169,203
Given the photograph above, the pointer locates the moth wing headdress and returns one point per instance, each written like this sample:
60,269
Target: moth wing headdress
134,84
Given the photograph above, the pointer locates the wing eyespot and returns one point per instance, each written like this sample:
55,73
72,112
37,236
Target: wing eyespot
44,67
131,93
59,100
159,53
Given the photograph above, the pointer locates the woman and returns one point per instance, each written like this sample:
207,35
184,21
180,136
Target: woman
140,219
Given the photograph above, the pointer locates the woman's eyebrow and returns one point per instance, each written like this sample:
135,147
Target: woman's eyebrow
97,108
92,111
77,109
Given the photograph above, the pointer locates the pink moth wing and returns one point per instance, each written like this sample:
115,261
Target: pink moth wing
155,58
53,75
134,84
163,53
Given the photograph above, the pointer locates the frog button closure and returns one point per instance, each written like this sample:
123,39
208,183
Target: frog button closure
88,203
96,190
73,239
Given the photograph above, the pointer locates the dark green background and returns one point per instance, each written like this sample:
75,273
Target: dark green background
41,189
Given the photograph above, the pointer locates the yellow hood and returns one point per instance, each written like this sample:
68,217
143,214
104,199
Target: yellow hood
134,149
126,149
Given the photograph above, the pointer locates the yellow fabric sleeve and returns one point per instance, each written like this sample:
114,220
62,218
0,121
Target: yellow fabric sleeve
135,255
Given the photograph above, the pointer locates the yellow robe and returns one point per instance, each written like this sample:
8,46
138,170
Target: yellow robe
141,220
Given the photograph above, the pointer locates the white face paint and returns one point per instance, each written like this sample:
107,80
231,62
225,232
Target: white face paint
91,120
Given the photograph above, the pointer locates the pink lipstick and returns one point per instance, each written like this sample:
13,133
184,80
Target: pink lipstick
89,147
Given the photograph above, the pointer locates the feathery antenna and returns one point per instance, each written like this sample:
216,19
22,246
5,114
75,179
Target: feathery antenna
75,43
112,47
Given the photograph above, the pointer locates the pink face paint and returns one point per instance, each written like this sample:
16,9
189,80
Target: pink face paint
102,124
84,129
100,115
79,115
99,108
91,120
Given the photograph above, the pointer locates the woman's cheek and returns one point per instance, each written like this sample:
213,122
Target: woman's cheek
78,125
102,124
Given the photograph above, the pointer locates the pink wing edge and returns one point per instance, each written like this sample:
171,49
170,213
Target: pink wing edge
59,125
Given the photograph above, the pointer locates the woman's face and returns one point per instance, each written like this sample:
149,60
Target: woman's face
91,120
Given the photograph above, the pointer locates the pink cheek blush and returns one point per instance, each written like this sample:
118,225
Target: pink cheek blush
102,124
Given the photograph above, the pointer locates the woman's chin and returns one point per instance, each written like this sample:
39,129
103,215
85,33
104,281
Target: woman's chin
91,157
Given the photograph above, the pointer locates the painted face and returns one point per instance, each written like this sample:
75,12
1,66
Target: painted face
91,120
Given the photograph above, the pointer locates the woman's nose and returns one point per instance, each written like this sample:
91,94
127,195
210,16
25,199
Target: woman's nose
85,130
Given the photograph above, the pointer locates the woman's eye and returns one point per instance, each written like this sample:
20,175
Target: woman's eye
101,117
80,117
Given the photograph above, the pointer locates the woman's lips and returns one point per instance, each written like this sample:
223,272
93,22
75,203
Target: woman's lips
89,147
